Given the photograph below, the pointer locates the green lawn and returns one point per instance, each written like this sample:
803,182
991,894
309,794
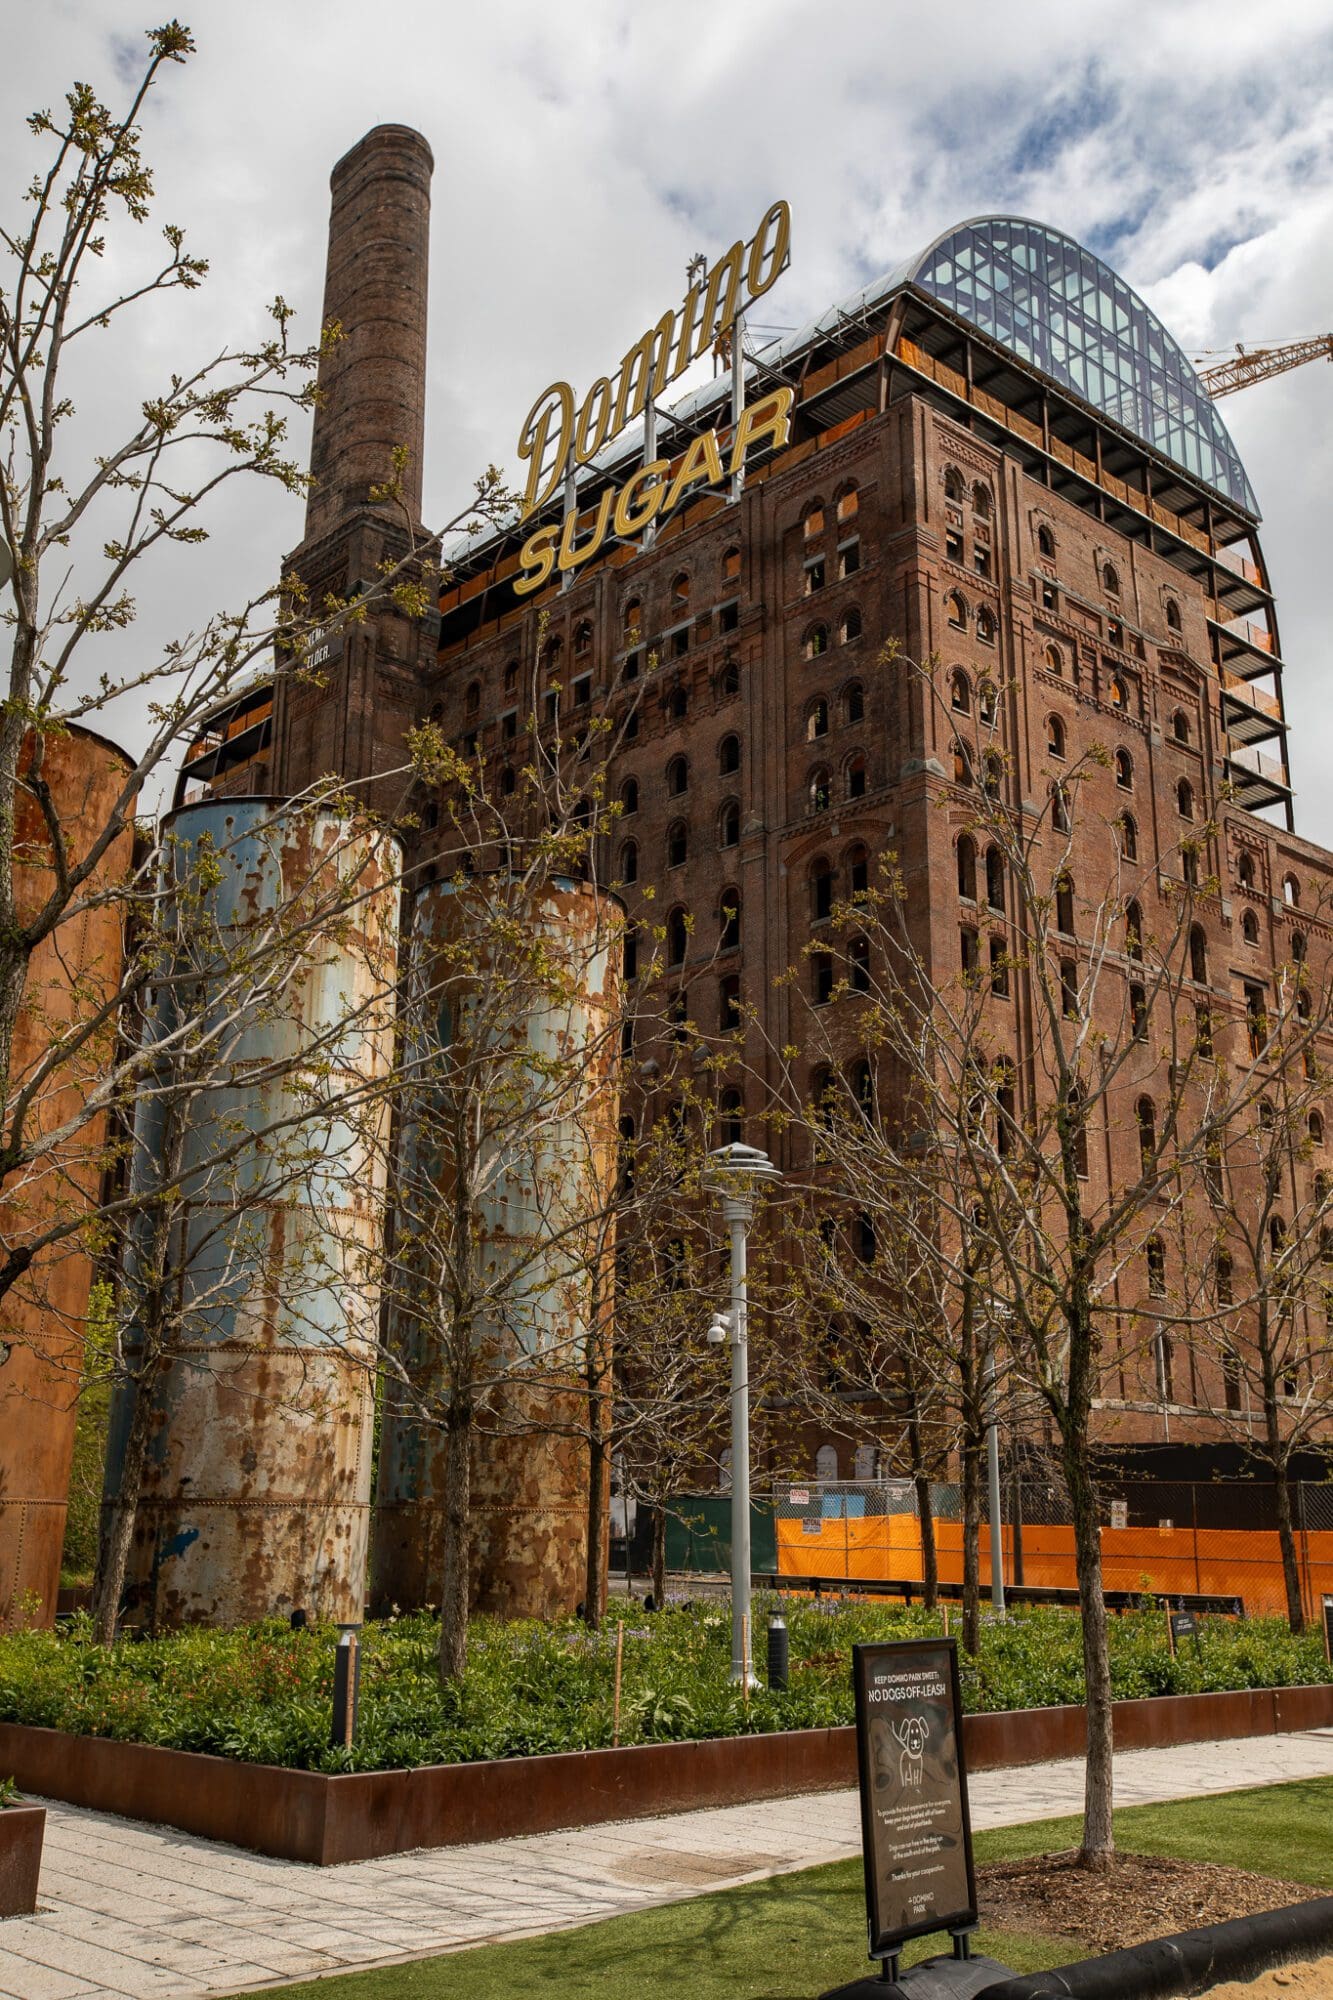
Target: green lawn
791,1936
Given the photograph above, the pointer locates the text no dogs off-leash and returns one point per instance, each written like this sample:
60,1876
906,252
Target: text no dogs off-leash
916,1835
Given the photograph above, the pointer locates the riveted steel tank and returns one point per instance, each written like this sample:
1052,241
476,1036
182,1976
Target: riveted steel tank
72,975
253,1355
528,1027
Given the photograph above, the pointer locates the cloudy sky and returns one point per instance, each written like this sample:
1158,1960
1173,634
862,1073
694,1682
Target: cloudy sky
584,152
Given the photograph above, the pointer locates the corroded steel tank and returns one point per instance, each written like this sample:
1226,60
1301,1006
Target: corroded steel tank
43,1319
525,1025
255,1497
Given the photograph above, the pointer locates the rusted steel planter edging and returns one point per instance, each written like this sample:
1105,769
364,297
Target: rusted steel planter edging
304,1816
22,1829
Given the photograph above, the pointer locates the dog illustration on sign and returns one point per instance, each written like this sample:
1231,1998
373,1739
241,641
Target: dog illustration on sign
911,1733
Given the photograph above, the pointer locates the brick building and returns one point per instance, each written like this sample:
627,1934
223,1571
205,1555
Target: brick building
998,457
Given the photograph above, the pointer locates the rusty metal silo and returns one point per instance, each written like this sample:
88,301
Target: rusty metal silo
539,1014
251,1358
73,973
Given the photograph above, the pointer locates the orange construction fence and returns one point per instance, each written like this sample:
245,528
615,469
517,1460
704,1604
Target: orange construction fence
1220,1562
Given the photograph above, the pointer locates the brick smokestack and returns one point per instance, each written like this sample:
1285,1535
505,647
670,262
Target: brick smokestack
373,382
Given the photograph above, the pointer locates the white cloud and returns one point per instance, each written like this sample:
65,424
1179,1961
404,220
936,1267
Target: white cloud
583,153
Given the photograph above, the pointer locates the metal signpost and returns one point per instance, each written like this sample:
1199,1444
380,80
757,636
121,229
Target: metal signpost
916,1834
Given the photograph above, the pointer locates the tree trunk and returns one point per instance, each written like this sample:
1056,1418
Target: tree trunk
1286,1535
1098,1849
930,1566
457,1542
659,1555
599,1472
117,1537
971,1542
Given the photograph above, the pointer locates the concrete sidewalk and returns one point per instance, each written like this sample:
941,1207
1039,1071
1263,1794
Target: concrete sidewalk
139,1911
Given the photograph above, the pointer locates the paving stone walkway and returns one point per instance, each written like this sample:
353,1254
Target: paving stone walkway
142,1912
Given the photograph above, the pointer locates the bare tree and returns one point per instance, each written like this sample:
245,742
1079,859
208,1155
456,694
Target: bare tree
1044,1173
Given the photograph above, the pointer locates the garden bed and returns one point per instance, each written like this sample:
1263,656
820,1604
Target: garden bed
307,1816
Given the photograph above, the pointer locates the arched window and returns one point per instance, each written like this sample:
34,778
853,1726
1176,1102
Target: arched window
1054,660
583,636
856,776
678,703
729,919
1134,933
814,520
552,656
854,702
1069,1006
1277,1235
821,977
511,677
821,889
731,1117
981,501
1189,864
954,485
1064,906
1245,870
729,1003
1172,615
472,699
1315,1127
729,754
848,503
677,844
680,588
1156,1256
858,964
677,937
986,701
992,773
1185,799
863,1239
629,861
1298,948
507,781
817,789
960,692
1045,542
962,763
729,680
630,953
631,619
1055,736
955,605
823,1096
629,796
999,966
1110,580
1119,692
857,863
1291,892
1129,836
986,626
967,867
850,627
816,719
729,824
677,777
1198,954
1059,809
1249,927
1124,770
731,564
1180,726
995,878
1138,1012
1145,1115
816,642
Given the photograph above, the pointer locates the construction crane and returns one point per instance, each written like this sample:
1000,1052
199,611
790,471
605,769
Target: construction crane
1256,364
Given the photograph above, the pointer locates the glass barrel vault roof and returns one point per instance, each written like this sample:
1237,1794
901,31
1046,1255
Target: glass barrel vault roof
1054,304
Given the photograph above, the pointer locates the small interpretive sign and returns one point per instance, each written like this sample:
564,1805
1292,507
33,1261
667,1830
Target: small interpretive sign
915,1830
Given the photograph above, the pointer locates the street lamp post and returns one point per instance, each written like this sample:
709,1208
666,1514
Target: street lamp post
737,1173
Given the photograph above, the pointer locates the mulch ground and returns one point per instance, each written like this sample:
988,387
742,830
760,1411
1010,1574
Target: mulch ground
1143,1896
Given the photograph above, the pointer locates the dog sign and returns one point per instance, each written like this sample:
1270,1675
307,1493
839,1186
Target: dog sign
916,1835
